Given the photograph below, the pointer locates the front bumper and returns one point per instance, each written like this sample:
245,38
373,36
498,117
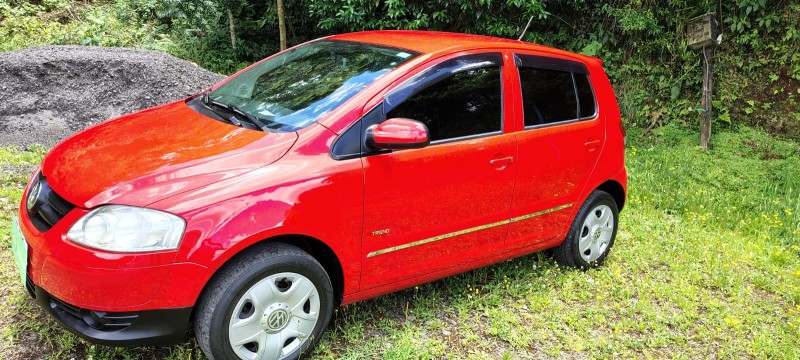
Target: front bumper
92,279
115,282
106,298
136,328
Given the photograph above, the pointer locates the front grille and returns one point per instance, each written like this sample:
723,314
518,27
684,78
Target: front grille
100,320
45,207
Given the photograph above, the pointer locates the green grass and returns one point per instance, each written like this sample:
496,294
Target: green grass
706,264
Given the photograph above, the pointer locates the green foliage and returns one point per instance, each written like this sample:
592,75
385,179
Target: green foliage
634,19
504,19
746,13
642,44
61,22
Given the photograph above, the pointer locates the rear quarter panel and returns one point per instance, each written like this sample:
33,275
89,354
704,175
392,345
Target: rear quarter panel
611,165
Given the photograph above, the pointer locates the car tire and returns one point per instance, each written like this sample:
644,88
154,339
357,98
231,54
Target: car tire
272,302
592,233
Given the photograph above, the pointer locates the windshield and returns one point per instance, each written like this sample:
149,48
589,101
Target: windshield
296,88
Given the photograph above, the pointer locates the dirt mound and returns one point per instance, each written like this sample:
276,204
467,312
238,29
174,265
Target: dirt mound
50,92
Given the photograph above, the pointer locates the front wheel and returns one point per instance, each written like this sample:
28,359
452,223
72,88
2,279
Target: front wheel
592,233
271,303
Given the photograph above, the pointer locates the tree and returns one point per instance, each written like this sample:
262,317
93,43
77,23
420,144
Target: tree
281,24
231,28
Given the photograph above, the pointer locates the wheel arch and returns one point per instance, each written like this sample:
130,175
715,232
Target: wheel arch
320,251
616,191
314,247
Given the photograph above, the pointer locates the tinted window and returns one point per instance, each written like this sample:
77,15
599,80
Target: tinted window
466,103
547,96
585,95
296,88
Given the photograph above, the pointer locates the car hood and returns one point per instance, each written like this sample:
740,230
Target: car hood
144,157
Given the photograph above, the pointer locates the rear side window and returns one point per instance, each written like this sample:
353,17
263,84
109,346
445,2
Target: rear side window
585,95
554,90
548,96
464,104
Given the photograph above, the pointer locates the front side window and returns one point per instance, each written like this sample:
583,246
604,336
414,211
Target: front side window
298,87
466,103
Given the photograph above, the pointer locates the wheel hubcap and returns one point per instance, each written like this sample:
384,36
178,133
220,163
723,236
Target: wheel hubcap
596,232
274,317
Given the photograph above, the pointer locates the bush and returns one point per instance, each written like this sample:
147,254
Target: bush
60,22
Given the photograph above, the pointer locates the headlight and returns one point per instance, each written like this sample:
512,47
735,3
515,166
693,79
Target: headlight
128,229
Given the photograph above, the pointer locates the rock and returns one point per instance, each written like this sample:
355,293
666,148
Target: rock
50,92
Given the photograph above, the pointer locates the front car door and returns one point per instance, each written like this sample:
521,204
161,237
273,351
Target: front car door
430,209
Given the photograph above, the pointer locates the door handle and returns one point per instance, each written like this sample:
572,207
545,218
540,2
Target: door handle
501,162
592,144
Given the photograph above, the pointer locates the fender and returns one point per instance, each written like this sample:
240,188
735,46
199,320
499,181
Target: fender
306,193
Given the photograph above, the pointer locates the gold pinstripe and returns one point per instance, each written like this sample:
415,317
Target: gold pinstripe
466,231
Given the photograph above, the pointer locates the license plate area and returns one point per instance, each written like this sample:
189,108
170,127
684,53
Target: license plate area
19,249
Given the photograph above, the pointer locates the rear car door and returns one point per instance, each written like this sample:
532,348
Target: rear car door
559,145
437,207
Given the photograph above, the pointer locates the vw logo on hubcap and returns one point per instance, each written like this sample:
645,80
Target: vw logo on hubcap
275,320
33,194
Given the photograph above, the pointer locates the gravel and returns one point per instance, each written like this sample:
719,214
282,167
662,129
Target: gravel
50,92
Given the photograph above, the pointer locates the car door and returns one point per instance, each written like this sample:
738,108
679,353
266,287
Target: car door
437,207
559,144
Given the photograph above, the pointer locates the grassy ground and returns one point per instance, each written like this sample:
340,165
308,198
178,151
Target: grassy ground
706,264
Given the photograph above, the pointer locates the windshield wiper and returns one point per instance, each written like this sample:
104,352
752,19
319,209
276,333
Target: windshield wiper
233,108
250,117
208,102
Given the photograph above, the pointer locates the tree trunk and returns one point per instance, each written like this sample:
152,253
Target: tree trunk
231,28
281,24
705,119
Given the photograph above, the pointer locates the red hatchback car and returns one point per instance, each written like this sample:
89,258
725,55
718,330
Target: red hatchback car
338,170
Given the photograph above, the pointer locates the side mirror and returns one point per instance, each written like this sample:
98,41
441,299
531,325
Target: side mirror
398,133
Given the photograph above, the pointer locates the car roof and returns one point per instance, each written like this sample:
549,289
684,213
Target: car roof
438,41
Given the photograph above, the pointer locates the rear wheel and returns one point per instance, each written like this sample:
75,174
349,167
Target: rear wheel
592,233
272,303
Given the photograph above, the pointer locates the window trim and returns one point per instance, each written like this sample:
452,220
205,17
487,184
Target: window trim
577,98
438,72
417,84
594,97
530,61
356,126
467,137
443,72
550,63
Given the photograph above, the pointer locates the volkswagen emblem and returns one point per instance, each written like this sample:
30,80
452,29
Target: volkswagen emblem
277,320
33,194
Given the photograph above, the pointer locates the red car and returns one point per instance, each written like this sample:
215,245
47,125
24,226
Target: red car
338,170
